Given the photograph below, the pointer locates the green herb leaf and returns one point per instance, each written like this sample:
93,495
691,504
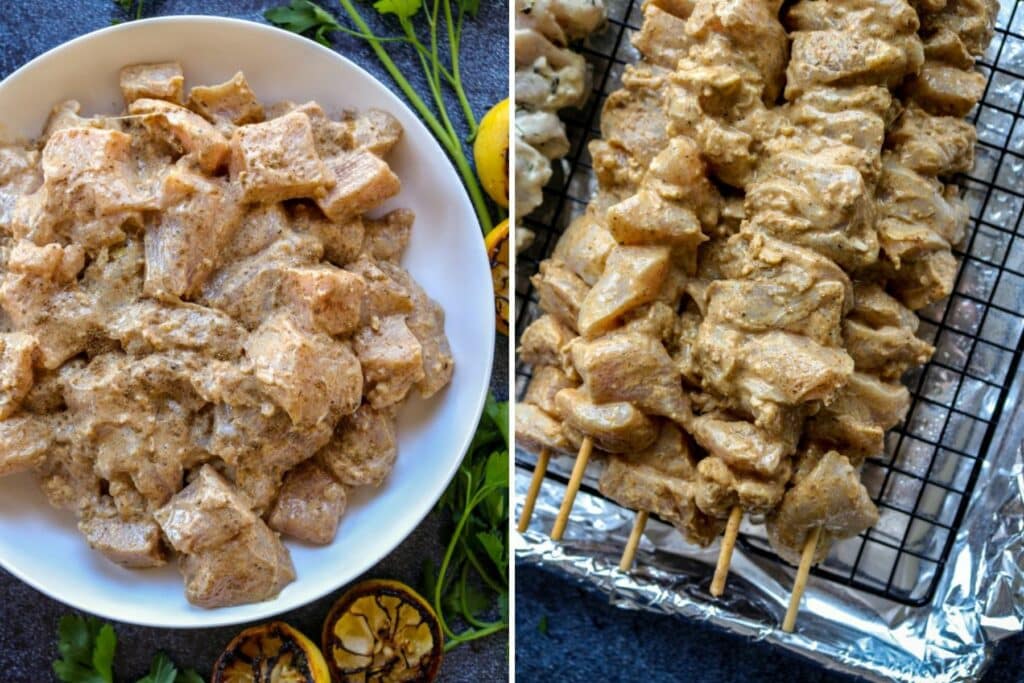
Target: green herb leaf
189,676
103,652
542,625
494,546
471,580
403,9
161,670
86,648
302,16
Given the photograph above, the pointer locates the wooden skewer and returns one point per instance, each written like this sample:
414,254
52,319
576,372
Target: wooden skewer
572,489
531,494
634,541
800,583
732,528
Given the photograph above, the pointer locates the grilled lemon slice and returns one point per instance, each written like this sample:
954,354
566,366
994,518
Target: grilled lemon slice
497,252
382,632
271,652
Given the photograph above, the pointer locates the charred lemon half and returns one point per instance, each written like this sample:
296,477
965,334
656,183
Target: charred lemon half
271,652
382,632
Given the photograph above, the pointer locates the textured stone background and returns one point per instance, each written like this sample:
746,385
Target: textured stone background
28,619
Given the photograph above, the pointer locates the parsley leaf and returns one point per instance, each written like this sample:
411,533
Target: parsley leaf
86,649
472,580
403,9
303,16
162,670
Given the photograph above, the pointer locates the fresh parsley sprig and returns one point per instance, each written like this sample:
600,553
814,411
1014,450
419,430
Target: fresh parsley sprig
472,581
414,20
87,648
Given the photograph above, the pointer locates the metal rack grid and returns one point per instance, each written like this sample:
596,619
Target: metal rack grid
923,484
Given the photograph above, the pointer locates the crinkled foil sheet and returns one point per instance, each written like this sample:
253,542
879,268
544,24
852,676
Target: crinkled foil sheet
979,597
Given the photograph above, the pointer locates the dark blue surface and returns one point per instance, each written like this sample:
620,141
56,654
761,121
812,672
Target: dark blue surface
28,620
587,640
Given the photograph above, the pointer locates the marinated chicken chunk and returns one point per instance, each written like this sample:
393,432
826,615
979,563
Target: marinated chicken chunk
543,342
537,430
617,427
546,382
309,506
659,479
200,329
633,367
364,447
132,544
164,81
228,554
832,498
633,276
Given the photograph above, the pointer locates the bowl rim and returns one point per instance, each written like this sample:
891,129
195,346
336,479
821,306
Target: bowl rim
220,617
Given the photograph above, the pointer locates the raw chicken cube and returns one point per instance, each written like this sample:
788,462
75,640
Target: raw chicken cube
584,247
742,445
536,430
132,544
188,239
192,132
309,506
426,322
392,360
945,90
163,81
546,382
228,104
361,182
25,441
277,160
375,131
342,242
634,367
251,567
312,376
17,352
831,497
646,218
615,427
386,238
384,295
324,297
560,291
205,514
632,277
363,449
543,342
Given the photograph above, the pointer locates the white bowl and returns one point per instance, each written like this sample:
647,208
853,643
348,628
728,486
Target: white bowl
446,255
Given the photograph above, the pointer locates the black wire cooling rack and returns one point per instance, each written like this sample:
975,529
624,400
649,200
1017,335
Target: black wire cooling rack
923,484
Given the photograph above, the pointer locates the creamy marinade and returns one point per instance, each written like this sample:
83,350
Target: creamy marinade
204,339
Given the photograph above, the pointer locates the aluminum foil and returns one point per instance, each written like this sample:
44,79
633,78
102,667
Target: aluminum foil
979,597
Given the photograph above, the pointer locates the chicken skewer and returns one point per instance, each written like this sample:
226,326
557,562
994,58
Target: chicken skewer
626,154
924,143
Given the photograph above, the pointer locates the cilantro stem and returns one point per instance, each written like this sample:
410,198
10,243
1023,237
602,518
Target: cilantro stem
454,40
452,145
475,561
455,641
467,614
